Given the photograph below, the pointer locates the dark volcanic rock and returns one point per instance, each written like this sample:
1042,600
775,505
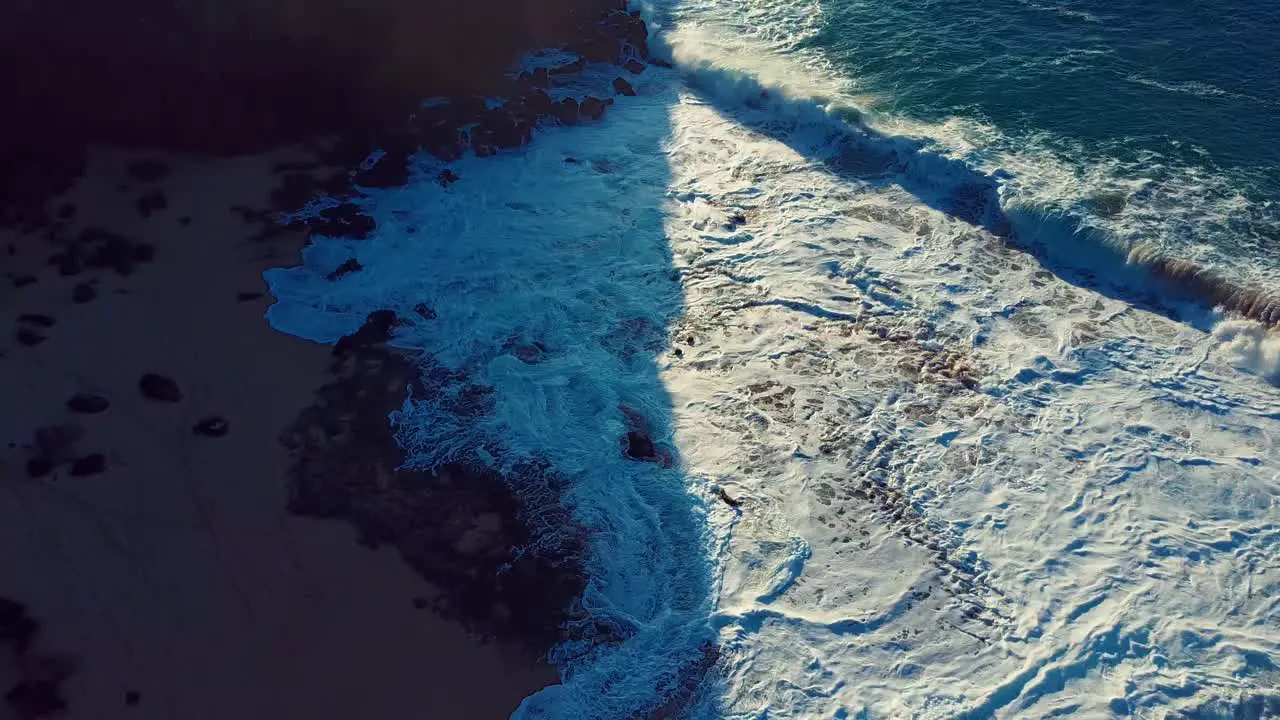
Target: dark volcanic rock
447,177
538,102
633,66
152,202
213,426
376,330
92,464
538,78
147,170
343,220
348,266
566,111
728,499
391,170
622,87
87,403
83,292
424,311
592,108
462,528
501,128
160,388
640,447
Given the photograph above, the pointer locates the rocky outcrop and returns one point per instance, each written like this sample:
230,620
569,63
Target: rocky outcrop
230,76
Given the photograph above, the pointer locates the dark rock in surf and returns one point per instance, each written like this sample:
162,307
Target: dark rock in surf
343,220
376,329
447,177
501,128
391,170
247,296
566,111
424,311
633,66
592,108
155,386
538,103
728,499
538,78
87,403
639,446
349,266
622,87
22,281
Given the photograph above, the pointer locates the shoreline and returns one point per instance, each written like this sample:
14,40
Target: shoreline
173,581
139,295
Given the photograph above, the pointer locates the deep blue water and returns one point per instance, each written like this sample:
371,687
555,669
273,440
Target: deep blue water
1178,98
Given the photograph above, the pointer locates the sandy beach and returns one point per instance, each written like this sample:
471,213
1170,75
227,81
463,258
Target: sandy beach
144,523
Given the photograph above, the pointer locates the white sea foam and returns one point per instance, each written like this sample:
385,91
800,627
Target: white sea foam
967,487
1250,345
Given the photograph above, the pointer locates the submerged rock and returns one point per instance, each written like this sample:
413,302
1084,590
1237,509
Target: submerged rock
347,267
622,87
592,108
639,446
566,111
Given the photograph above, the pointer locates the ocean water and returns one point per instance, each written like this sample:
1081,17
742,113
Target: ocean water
882,273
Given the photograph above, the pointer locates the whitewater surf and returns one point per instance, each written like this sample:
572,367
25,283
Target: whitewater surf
987,456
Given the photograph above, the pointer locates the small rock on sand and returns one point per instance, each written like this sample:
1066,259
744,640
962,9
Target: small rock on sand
83,293
91,464
29,337
158,387
38,467
87,403
212,426
152,202
44,321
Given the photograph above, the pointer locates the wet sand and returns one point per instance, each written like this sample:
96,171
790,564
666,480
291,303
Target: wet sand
160,560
